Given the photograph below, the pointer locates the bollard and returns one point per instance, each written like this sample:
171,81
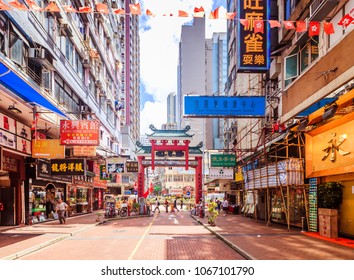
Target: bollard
302,224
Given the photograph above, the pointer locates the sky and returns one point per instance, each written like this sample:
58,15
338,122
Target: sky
159,39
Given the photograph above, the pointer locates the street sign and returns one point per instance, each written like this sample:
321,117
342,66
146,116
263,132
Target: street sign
188,193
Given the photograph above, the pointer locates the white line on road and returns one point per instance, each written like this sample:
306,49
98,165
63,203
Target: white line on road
141,239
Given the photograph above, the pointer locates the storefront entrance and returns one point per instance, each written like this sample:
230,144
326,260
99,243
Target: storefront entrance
7,199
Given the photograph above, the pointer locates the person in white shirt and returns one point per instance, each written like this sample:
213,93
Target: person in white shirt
60,209
225,206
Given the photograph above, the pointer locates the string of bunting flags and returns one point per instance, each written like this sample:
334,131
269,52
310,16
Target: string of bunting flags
313,27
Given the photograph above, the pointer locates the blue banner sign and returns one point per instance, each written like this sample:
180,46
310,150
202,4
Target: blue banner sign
224,106
318,105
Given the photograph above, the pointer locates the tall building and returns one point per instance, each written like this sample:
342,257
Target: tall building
55,65
130,80
171,108
192,74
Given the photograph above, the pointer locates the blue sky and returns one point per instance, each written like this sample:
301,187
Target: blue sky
159,38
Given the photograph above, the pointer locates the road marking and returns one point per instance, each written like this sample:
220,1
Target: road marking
141,239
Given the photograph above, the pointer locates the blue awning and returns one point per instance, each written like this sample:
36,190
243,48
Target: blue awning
17,85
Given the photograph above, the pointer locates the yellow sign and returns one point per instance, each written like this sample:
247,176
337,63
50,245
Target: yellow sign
47,148
84,151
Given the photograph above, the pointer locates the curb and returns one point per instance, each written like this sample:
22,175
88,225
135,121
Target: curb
226,241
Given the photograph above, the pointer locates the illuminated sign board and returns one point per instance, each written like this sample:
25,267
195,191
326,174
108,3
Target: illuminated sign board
253,48
224,106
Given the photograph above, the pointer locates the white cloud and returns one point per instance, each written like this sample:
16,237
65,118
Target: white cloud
159,39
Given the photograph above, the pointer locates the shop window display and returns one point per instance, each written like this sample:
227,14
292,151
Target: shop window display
38,197
81,201
72,202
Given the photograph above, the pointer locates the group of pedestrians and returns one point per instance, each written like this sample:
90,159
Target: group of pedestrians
174,207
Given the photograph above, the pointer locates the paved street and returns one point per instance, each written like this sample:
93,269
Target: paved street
176,236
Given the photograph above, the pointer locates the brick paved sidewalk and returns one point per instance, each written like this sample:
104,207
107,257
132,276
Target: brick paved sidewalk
275,242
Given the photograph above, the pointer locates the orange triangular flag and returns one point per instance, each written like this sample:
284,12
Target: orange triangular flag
119,12
198,12
52,7
18,5
135,9
214,14
69,9
94,53
4,7
182,13
33,5
149,13
102,8
85,10
274,23
301,26
244,22
230,15
328,27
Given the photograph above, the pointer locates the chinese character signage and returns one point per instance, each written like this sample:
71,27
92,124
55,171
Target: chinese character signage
47,148
79,132
132,166
43,171
68,167
221,173
253,44
224,106
84,151
220,160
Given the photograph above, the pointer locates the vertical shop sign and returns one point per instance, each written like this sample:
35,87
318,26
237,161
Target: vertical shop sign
253,48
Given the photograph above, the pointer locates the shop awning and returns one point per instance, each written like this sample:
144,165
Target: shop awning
21,88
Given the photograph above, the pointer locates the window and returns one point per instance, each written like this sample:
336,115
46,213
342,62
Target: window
299,60
16,49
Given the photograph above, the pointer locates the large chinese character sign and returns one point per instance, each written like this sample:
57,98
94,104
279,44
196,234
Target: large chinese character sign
253,47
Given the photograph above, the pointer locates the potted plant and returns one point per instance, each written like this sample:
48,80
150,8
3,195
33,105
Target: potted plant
329,199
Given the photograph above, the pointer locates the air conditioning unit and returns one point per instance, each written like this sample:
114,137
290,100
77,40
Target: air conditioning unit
37,53
109,101
83,108
98,84
109,40
86,63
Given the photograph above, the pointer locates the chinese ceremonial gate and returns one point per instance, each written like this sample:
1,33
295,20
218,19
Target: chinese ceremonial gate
170,148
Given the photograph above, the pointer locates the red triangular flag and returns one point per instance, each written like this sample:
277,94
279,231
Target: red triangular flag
289,25
314,28
33,5
301,26
119,12
135,9
52,7
69,9
182,13
85,10
274,23
18,5
345,21
328,28
198,12
4,7
258,26
102,8
149,13
214,14
245,23
230,15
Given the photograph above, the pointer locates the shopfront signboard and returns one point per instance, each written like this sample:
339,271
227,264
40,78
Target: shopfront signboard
43,172
132,166
80,132
222,160
47,148
67,167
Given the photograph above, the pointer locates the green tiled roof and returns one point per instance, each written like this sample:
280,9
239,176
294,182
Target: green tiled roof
170,133
193,150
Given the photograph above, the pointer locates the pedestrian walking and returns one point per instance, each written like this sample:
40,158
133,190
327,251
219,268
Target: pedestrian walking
166,205
60,209
225,206
175,204
181,203
157,207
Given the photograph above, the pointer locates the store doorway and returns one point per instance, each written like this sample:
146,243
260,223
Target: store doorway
7,198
